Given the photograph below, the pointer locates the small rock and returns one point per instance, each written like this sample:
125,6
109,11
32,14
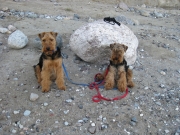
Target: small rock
158,103
146,88
166,131
85,120
80,106
93,124
92,130
5,9
27,112
132,123
16,112
162,85
66,112
11,28
141,114
3,30
158,15
123,6
66,123
14,131
68,100
34,97
144,13
163,73
17,40
45,104
134,119
80,121
1,43
76,17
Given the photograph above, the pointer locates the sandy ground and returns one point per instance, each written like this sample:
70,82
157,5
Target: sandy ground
154,102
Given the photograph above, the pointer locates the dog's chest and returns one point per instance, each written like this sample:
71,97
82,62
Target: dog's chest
52,66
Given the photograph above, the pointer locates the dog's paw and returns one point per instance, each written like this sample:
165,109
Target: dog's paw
45,90
108,86
122,88
99,77
130,84
62,87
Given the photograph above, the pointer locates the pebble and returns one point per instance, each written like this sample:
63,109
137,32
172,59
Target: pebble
166,131
66,112
144,13
80,106
11,28
66,123
141,114
16,112
34,96
3,30
85,120
14,131
27,113
162,85
146,88
92,130
45,104
163,73
158,103
68,100
134,119
1,43
93,124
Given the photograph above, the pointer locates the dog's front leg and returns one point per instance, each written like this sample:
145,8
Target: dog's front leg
60,78
122,81
109,79
46,82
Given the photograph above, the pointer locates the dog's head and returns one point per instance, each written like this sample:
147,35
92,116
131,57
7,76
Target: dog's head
48,40
117,52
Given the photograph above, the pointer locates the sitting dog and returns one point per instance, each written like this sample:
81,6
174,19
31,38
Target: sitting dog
119,73
49,67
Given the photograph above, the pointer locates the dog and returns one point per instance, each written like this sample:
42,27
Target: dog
119,73
49,67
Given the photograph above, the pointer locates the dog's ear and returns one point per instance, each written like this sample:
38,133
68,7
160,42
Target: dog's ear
54,34
125,47
41,35
111,46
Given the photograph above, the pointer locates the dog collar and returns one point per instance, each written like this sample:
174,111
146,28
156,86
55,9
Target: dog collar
124,62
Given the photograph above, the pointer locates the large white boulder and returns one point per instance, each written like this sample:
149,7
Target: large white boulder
17,40
91,42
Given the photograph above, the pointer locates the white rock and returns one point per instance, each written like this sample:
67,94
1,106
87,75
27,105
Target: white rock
34,97
3,30
27,112
17,40
11,28
45,104
16,112
91,42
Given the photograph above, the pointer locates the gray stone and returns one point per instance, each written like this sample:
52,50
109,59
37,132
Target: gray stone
27,113
132,123
92,130
76,17
17,40
134,119
37,42
158,15
1,43
91,42
3,30
11,28
125,20
123,6
144,13
34,97
85,120
80,106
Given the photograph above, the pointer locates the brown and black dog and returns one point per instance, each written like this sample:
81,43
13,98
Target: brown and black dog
49,67
119,73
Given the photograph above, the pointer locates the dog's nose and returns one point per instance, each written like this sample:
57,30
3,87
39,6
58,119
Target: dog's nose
47,48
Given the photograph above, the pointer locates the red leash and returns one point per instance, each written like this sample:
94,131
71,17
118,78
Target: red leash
99,97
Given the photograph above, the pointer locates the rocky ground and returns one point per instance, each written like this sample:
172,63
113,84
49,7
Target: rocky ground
152,106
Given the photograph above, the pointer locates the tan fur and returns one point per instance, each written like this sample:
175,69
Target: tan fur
51,69
117,76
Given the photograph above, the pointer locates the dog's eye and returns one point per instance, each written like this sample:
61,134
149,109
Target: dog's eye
51,39
44,40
